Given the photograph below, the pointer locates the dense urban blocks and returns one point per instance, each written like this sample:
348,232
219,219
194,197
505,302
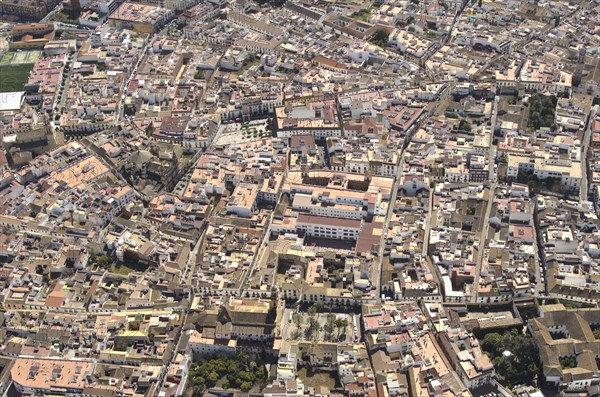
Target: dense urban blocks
353,198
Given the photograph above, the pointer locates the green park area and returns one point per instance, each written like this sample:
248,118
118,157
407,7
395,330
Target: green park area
242,372
542,110
515,356
15,68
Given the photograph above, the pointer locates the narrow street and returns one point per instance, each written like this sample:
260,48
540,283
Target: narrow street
492,188
585,146
482,240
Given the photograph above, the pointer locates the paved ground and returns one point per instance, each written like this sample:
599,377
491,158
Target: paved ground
290,331
234,133
310,379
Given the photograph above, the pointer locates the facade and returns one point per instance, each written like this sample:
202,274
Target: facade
327,227
26,10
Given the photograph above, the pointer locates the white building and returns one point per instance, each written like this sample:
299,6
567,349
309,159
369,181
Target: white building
327,227
242,201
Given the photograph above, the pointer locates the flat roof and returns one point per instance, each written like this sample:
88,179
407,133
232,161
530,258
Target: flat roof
51,374
328,221
10,101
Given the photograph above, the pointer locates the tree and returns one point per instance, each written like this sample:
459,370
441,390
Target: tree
542,109
597,333
491,342
239,372
464,126
212,379
329,326
310,330
260,372
568,362
199,75
197,390
316,329
340,324
381,38
297,333
297,320
104,261
246,386
120,345
520,367
529,312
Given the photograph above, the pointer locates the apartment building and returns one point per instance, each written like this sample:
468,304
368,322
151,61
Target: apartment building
328,227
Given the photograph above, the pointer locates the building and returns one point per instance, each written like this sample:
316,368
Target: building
233,59
31,36
318,118
473,366
243,200
567,334
140,17
177,5
566,170
37,376
328,227
26,10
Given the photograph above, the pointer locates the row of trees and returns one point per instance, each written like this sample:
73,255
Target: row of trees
536,185
240,372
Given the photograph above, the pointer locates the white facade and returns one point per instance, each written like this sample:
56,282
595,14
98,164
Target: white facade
329,227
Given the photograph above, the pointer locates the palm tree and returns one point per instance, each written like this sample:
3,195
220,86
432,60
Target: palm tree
297,320
314,327
340,324
296,334
329,326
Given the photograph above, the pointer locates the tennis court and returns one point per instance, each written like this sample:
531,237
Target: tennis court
20,57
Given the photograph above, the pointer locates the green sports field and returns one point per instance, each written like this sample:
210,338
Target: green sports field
14,77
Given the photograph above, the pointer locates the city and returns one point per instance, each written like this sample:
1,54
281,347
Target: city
289,198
